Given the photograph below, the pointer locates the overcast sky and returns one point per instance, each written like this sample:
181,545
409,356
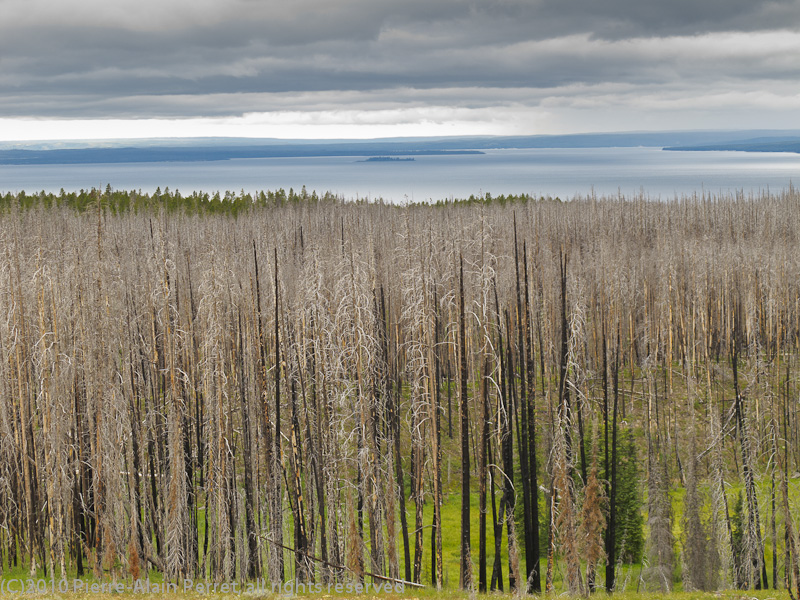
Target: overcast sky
371,68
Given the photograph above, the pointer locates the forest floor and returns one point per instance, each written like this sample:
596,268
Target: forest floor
630,585
13,580
411,595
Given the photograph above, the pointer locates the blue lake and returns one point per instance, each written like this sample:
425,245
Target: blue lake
540,172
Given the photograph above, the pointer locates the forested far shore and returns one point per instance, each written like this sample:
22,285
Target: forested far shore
509,393
228,202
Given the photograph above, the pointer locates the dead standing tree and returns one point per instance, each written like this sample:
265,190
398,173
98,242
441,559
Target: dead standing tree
465,570
415,320
753,552
660,553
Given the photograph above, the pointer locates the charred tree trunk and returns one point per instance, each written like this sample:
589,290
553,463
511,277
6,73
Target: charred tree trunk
298,506
611,461
483,476
507,448
465,572
497,529
252,567
277,453
398,466
534,574
523,418
437,568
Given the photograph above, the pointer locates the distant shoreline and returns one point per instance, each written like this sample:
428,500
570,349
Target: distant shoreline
161,150
786,146
83,156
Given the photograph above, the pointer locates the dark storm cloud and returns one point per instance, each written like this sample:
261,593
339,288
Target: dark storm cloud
627,18
90,58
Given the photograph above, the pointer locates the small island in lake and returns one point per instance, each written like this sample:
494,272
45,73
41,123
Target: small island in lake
387,159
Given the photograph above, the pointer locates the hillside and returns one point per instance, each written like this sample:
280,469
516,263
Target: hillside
582,395
778,144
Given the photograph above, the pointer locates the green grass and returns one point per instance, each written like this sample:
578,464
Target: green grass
627,577
410,594
451,549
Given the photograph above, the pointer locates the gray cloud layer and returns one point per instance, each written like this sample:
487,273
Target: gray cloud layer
180,58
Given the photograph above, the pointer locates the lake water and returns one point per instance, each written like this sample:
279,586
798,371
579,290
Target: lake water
540,172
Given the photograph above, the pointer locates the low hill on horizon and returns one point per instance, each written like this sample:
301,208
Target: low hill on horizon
213,149
779,144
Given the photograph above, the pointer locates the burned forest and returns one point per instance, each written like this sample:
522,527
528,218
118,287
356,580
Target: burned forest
515,394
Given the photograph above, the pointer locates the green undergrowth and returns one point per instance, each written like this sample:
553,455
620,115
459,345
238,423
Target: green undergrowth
417,595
